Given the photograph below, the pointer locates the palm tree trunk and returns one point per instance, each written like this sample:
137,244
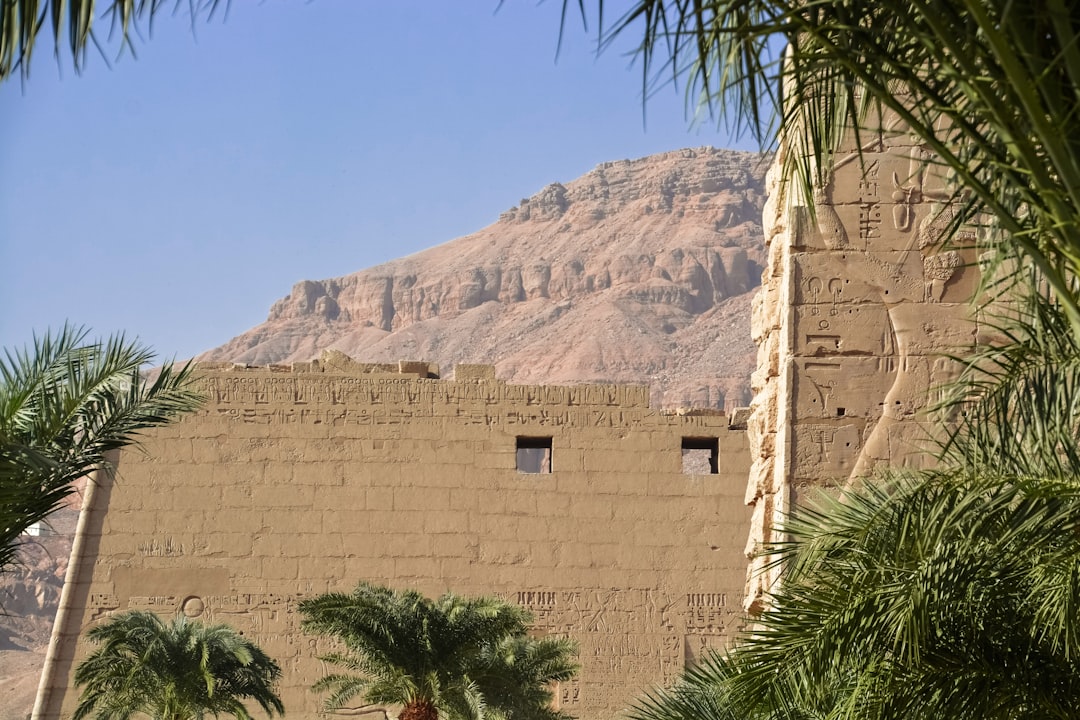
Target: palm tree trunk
421,709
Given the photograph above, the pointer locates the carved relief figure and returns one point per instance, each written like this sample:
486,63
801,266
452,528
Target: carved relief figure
923,213
829,225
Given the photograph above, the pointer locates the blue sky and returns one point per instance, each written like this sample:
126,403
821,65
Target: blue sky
176,196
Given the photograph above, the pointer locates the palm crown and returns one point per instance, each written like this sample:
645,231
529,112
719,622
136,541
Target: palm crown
453,657
65,404
177,670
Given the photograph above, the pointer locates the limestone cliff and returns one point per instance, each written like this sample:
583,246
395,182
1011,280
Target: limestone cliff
639,271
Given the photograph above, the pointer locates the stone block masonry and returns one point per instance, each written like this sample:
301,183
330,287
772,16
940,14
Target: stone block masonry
296,481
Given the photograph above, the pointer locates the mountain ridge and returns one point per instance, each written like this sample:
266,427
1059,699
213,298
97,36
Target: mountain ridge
622,275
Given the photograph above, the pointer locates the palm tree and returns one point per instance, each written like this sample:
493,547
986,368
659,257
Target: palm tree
178,670
74,23
454,657
65,405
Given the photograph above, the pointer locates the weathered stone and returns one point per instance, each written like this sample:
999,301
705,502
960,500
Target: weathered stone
863,307
417,485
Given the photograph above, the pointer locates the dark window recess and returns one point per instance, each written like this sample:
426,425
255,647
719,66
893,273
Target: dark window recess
700,456
534,454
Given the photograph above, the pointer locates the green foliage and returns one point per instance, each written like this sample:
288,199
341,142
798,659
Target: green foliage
1017,407
65,404
942,595
178,670
469,658
74,23
989,86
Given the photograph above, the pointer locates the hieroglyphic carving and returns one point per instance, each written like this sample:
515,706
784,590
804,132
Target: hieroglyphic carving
923,210
850,331
101,605
570,415
543,604
870,223
318,389
107,601
937,271
192,606
830,228
291,482
708,614
156,603
632,634
156,547
697,646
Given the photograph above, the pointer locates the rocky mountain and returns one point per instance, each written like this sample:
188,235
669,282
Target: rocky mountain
640,271
29,596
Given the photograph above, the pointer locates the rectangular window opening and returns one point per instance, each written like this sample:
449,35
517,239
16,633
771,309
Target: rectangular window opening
700,456
534,455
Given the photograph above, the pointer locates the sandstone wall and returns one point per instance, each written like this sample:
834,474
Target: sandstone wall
293,482
861,304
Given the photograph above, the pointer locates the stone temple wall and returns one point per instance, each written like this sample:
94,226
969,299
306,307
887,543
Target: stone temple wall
296,481
860,305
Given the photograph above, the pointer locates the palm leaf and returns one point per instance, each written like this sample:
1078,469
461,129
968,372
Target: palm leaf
74,25
469,657
65,405
988,87
143,665
948,594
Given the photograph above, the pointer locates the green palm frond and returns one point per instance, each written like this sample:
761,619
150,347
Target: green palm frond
707,691
342,688
65,404
1016,408
469,657
465,701
946,594
989,86
184,669
953,593
76,26
526,668
942,580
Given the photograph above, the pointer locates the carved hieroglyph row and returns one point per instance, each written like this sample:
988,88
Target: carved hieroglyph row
860,305
341,417
626,636
300,389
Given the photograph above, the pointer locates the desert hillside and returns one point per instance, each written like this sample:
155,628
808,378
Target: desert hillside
640,271
29,596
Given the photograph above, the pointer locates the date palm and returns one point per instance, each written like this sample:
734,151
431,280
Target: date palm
454,657
77,25
66,403
175,670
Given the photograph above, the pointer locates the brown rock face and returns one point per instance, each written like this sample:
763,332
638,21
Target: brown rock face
640,271
29,596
